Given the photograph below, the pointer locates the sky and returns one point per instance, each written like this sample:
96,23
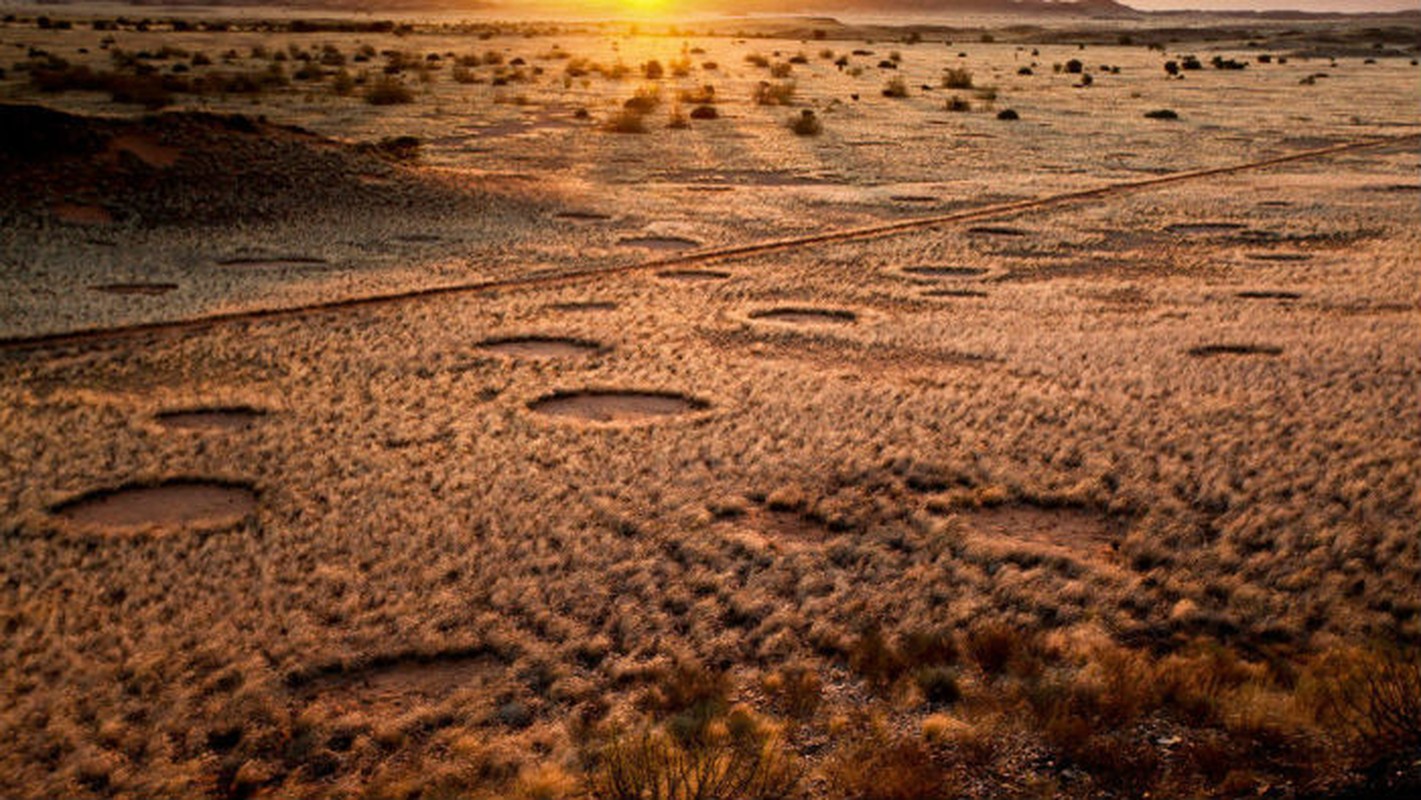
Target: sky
1276,5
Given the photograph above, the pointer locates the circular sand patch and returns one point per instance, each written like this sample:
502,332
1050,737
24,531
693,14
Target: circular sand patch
954,293
599,405
806,316
1202,228
944,272
583,216
1210,350
995,230
1269,294
540,346
275,262
148,289
585,305
77,214
174,503
659,242
1279,257
693,275
225,418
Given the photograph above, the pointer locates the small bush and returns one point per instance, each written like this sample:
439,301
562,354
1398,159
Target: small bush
881,766
958,104
1008,114
896,88
1162,113
938,685
704,112
774,94
781,70
388,91
806,124
957,78
626,121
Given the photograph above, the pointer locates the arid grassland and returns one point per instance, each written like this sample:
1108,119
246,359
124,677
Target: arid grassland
555,411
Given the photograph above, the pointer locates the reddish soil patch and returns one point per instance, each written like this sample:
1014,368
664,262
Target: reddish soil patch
659,242
275,262
583,216
231,418
1062,530
393,688
806,316
147,149
693,275
540,347
177,503
1283,257
1203,228
81,214
945,272
954,293
617,406
1208,350
585,305
150,289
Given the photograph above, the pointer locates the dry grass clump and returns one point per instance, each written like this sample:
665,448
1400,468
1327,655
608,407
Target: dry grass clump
779,93
387,90
875,763
957,78
806,124
896,87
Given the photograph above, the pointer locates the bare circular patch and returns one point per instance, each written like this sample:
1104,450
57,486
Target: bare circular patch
189,503
585,305
540,346
1208,350
693,275
583,216
149,289
1269,294
1202,228
954,293
1280,257
77,214
223,418
605,405
944,272
659,242
806,316
275,262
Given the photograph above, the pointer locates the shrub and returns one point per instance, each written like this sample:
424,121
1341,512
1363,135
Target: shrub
704,112
896,88
738,758
774,94
652,70
957,78
388,91
757,60
956,103
1074,66
882,766
1162,113
626,121
1008,114
938,685
794,690
806,124
1376,696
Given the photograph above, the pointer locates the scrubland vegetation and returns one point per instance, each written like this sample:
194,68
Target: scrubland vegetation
1102,499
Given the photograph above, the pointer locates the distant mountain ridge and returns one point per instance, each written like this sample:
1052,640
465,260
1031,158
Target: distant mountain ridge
1055,7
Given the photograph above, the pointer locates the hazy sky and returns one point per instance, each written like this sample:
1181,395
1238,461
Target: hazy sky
1274,5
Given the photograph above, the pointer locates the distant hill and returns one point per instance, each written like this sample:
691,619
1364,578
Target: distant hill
1053,7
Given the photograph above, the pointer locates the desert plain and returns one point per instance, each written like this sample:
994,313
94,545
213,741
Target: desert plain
724,408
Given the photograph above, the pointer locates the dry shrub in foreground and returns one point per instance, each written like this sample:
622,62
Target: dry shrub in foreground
1375,697
737,756
877,764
